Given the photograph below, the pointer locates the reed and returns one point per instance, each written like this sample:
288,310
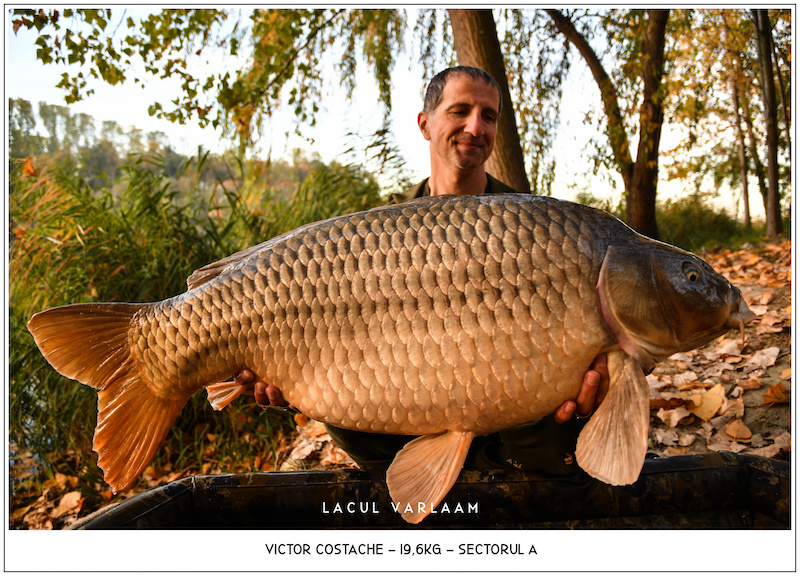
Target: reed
137,239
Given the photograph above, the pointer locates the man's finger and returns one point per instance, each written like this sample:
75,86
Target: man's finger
600,365
588,392
565,412
275,397
244,376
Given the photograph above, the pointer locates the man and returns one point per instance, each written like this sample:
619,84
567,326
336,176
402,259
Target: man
459,119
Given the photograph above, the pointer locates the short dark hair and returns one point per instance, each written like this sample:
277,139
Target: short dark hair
433,95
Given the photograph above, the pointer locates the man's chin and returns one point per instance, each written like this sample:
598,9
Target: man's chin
472,159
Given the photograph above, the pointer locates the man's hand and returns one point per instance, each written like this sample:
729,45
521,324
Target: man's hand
592,392
264,394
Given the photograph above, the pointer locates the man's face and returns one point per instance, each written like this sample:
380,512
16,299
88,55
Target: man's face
463,127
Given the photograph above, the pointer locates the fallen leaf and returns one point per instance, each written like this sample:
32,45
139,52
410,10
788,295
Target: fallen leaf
784,440
70,502
775,395
770,323
61,480
764,358
766,297
729,347
733,406
753,383
672,417
786,374
665,437
316,429
19,514
735,447
684,379
738,431
710,402
654,382
720,421
675,451
766,451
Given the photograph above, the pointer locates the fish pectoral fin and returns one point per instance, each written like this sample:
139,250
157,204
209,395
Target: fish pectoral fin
423,472
613,443
223,393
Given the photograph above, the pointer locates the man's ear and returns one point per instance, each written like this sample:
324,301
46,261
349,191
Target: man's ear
422,122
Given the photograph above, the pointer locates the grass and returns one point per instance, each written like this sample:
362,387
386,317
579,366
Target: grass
136,240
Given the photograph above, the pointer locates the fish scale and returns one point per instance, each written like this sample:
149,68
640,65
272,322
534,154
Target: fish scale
486,303
443,318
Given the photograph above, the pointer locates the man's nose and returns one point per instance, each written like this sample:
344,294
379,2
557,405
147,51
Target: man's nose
474,124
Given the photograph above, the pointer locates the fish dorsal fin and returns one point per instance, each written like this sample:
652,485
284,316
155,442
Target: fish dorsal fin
423,472
613,443
223,393
211,271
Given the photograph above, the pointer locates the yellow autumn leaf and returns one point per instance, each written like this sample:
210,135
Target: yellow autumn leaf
710,403
738,431
70,502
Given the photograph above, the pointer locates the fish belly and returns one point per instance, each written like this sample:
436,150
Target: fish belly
471,315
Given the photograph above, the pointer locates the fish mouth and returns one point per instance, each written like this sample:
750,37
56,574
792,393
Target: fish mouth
740,315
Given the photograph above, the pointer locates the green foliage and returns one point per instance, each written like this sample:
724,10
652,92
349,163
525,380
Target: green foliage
691,224
136,240
536,67
283,52
23,141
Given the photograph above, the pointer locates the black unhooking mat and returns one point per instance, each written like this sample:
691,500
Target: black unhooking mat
711,491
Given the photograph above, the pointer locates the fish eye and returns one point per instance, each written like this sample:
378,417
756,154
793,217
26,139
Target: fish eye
691,272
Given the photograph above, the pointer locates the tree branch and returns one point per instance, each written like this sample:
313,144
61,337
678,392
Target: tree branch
616,129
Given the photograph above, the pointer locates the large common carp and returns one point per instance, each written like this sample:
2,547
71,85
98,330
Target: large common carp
445,317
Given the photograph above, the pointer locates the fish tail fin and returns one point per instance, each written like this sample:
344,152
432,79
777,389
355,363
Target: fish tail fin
90,343
423,472
613,444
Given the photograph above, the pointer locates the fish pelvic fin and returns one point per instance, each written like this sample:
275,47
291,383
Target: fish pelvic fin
612,445
223,393
90,343
423,472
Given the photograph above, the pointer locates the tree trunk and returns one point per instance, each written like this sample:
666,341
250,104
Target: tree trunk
757,164
640,178
742,153
735,70
476,43
784,106
764,37
641,205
